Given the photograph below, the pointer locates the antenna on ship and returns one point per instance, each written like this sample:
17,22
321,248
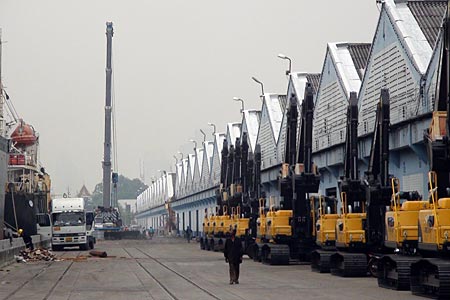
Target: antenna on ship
107,143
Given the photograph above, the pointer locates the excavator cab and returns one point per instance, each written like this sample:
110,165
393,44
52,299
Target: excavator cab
401,221
241,224
261,222
278,225
324,217
350,233
434,222
430,276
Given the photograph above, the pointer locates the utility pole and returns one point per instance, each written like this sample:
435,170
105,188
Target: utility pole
2,100
108,109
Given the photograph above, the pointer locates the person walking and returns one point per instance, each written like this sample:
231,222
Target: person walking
233,256
188,234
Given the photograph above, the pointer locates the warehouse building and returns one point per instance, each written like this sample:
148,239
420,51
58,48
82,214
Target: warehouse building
403,57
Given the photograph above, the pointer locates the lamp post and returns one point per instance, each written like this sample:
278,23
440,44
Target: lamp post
204,135
242,103
195,144
176,159
260,83
282,56
214,128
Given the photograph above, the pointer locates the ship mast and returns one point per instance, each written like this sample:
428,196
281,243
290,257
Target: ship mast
108,109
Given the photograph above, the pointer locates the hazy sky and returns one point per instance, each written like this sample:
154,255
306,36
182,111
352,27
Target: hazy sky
177,66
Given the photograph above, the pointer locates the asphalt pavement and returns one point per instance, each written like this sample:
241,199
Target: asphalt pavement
170,268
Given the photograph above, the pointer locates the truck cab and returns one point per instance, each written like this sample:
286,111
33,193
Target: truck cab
72,225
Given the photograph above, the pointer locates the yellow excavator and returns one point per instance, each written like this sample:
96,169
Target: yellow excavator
285,233
401,237
360,226
324,217
430,276
348,224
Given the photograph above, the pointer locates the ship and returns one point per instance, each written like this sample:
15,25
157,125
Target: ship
28,185
25,186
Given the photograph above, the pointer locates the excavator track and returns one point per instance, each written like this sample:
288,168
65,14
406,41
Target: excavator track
348,264
320,261
275,254
430,277
219,244
394,272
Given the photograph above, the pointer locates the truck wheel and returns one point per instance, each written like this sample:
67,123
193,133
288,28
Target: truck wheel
84,247
91,244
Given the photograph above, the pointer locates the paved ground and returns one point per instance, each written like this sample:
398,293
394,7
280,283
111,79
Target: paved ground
173,269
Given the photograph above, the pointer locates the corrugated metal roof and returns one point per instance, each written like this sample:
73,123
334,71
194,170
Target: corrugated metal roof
360,54
283,101
410,34
314,79
428,15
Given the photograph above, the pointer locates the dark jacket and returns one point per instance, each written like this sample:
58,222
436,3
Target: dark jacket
233,250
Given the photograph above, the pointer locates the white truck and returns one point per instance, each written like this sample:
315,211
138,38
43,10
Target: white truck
72,224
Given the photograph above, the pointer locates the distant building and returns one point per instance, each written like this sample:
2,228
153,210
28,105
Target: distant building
87,196
123,203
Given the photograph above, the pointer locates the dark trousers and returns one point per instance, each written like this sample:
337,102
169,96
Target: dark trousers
234,272
28,242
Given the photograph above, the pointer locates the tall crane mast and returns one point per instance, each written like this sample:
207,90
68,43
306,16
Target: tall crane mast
108,109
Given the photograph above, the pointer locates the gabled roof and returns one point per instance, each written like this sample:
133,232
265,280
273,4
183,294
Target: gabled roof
272,104
209,151
170,185
233,132
298,80
350,60
428,15
179,168
192,165
199,160
218,140
251,118
185,169
410,33
84,192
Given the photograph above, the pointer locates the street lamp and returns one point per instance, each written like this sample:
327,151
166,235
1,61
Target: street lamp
282,56
262,85
195,144
214,126
242,103
204,135
176,159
